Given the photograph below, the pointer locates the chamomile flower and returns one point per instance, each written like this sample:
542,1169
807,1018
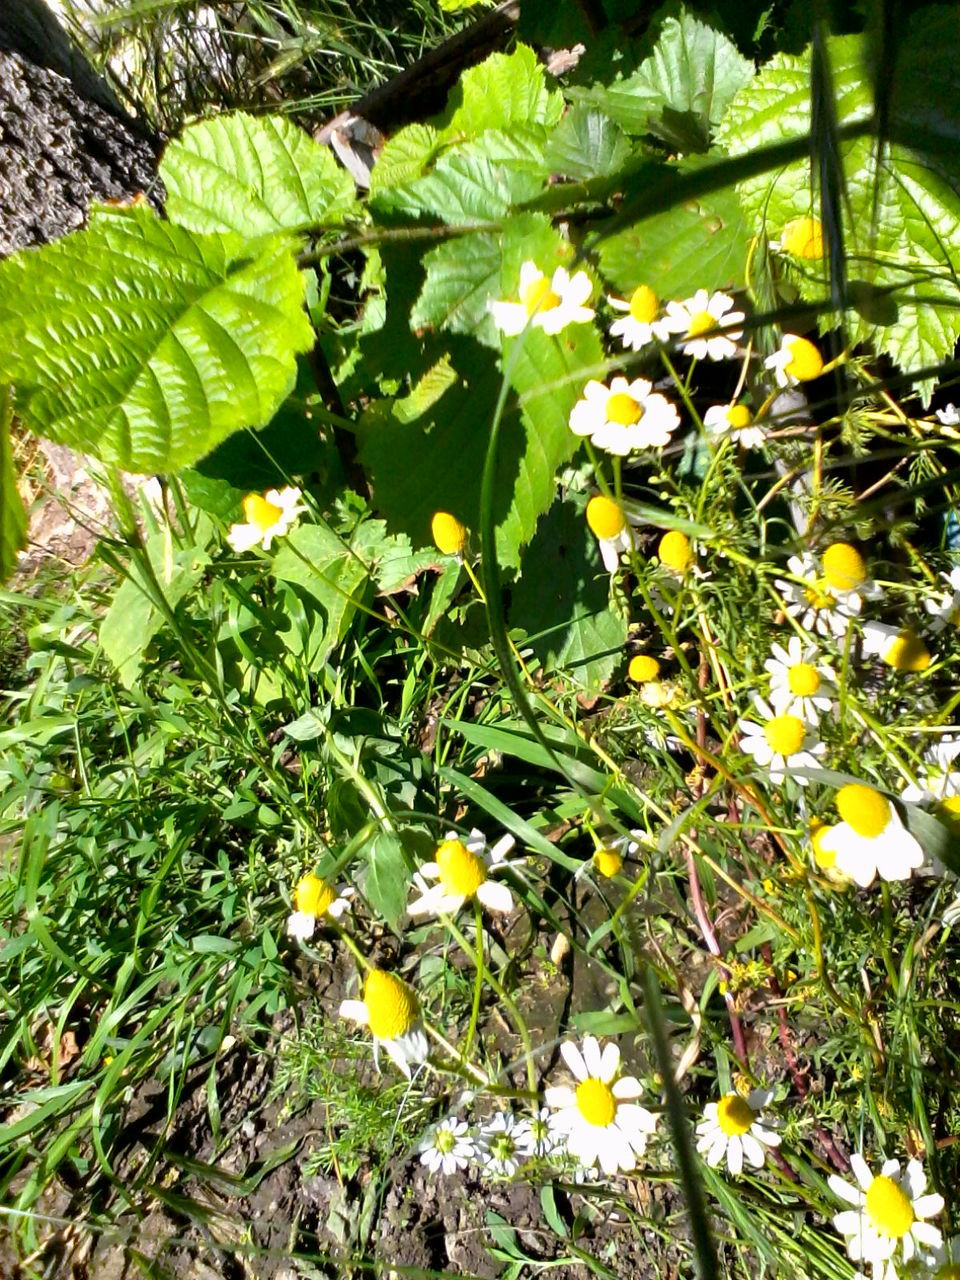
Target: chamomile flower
798,685
504,1143
824,603
802,238
640,325
899,647
870,838
675,552
546,1140
447,1147
449,535
888,1218
313,899
268,515
798,360
944,609
549,303
391,1010
607,861
826,859
733,1128
780,743
643,668
948,416
462,870
599,1116
696,320
624,417
733,422
938,783
613,529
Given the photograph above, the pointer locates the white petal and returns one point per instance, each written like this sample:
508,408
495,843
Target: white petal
502,848
591,1055
626,1087
861,1171
735,1155
927,1206
752,1150
496,897
354,1011
560,1095
844,1190
609,1063
574,1059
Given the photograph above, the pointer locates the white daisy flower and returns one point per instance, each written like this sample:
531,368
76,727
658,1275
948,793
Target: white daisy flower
613,529
733,1128
899,647
870,838
780,743
695,320
269,515
598,1116
798,360
944,609
734,422
832,589
640,325
549,303
949,417
447,1147
391,1010
937,780
798,686
504,1143
887,1221
313,898
461,869
624,417
547,1141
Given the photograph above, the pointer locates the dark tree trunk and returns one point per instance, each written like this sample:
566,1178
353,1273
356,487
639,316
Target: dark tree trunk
64,140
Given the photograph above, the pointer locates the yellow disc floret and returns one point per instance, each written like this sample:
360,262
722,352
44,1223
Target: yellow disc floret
948,811
785,735
825,859
644,305
734,1115
643,668
844,567
259,512
313,896
538,296
461,872
392,1006
596,1103
449,535
623,409
738,415
805,360
604,517
866,811
701,322
675,551
907,652
803,679
607,862
803,238
888,1208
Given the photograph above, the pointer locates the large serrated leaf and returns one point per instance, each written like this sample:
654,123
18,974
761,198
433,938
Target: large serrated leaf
13,518
405,157
466,186
146,344
701,244
901,220
255,175
680,92
587,144
506,89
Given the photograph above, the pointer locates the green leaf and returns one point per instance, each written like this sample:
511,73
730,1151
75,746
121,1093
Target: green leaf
386,883
335,573
465,186
507,89
146,344
562,600
700,244
13,518
255,175
680,92
587,144
405,157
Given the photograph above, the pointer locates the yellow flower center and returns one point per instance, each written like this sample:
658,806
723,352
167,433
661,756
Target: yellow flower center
539,296
803,238
843,567
263,515
313,896
596,1103
785,734
734,1115
948,811
700,322
461,871
643,668
644,305
824,858
907,652
865,810
817,598
607,862
604,517
623,409
805,360
675,551
803,679
392,1006
449,535
738,415
888,1207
